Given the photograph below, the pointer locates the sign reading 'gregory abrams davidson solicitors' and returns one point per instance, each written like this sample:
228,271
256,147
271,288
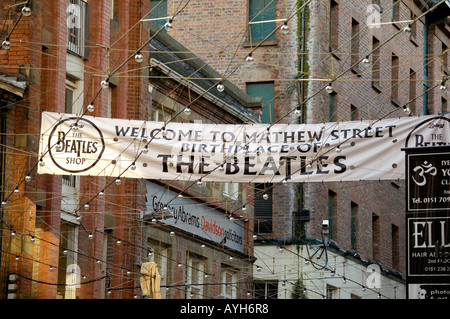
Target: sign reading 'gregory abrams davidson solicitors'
259,153
190,216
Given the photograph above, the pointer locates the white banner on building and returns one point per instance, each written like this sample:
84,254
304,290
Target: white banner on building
255,153
186,214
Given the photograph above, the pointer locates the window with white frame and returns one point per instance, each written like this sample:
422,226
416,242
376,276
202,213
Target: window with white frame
77,27
332,292
69,274
195,277
158,254
265,289
229,279
231,190
159,113
70,183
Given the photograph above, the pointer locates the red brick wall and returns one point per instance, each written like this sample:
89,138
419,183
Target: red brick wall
194,29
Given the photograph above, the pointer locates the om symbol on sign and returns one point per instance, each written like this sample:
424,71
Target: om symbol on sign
425,168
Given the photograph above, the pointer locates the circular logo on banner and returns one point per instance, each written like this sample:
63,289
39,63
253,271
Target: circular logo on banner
77,149
431,132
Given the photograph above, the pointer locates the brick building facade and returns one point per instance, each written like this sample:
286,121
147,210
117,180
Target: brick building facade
323,41
63,51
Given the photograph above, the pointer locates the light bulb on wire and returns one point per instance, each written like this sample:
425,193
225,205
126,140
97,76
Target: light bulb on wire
26,11
168,25
90,107
407,110
139,57
249,58
6,45
105,83
284,28
329,89
59,146
220,87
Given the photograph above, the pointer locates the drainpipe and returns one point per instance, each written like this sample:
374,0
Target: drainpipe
3,121
302,90
425,67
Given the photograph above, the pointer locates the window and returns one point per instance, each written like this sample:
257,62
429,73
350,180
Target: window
71,183
159,254
332,292
333,29
229,284
444,106
353,224
69,273
231,190
112,10
412,90
376,57
332,209
445,59
395,247
354,113
195,275
259,12
396,10
395,81
160,113
158,9
263,208
265,289
77,27
108,254
375,237
413,26
332,116
355,46
266,91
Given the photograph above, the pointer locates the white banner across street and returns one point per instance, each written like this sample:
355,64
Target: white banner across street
247,153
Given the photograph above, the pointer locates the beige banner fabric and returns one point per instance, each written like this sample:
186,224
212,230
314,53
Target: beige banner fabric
245,153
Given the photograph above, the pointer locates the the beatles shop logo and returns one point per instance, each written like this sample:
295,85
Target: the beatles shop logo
419,137
77,149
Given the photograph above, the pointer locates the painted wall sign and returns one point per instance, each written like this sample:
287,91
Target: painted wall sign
254,153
